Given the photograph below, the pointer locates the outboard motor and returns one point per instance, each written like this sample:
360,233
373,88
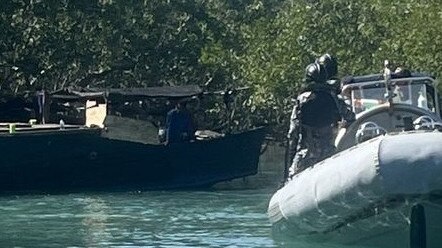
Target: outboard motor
368,130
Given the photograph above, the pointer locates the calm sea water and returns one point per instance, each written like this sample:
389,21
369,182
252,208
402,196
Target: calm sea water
146,219
230,215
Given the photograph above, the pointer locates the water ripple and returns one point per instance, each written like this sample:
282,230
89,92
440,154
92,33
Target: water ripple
150,219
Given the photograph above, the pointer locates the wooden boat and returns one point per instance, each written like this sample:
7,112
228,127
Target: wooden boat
384,188
105,156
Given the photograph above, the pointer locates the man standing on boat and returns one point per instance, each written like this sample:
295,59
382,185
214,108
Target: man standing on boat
313,120
179,124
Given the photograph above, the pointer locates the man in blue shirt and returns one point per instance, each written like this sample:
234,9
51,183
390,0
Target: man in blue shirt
179,124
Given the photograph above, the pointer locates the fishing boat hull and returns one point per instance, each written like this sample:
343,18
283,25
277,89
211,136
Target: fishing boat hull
386,192
78,159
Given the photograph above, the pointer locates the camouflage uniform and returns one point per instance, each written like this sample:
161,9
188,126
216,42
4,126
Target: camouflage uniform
314,146
345,111
315,117
310,143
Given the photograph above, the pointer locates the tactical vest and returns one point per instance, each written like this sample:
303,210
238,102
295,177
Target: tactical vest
317,109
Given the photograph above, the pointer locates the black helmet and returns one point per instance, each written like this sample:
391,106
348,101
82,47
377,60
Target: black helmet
330,64
315,73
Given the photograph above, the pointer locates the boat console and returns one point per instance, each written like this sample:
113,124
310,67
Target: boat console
400,103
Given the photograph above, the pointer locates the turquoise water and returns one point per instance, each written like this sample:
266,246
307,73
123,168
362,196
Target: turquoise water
141,219
230,215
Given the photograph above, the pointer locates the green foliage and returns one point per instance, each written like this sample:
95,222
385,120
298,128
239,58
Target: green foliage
217,44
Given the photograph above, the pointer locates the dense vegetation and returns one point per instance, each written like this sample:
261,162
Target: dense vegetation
217,44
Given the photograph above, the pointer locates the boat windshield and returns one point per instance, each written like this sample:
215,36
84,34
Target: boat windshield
416,92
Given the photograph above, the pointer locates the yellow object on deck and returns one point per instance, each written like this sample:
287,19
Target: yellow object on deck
12,128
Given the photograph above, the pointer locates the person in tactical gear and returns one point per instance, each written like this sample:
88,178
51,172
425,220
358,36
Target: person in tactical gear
311,125
330,64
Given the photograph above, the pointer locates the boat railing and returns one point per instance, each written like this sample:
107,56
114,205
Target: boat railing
13,128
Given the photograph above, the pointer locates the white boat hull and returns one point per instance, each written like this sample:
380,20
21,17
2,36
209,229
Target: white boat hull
365,195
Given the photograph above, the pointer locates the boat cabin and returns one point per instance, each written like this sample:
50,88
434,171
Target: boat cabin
78,107
417,90
130,114
403,102
139,114
61,111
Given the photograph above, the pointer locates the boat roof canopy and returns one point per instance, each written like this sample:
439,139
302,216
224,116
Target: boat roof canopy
169,92
76,95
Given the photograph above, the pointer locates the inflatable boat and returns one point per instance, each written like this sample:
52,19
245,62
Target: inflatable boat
384,187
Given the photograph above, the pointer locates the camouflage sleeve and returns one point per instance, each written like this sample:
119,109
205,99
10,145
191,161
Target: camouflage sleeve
345,111
294,124
293,134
